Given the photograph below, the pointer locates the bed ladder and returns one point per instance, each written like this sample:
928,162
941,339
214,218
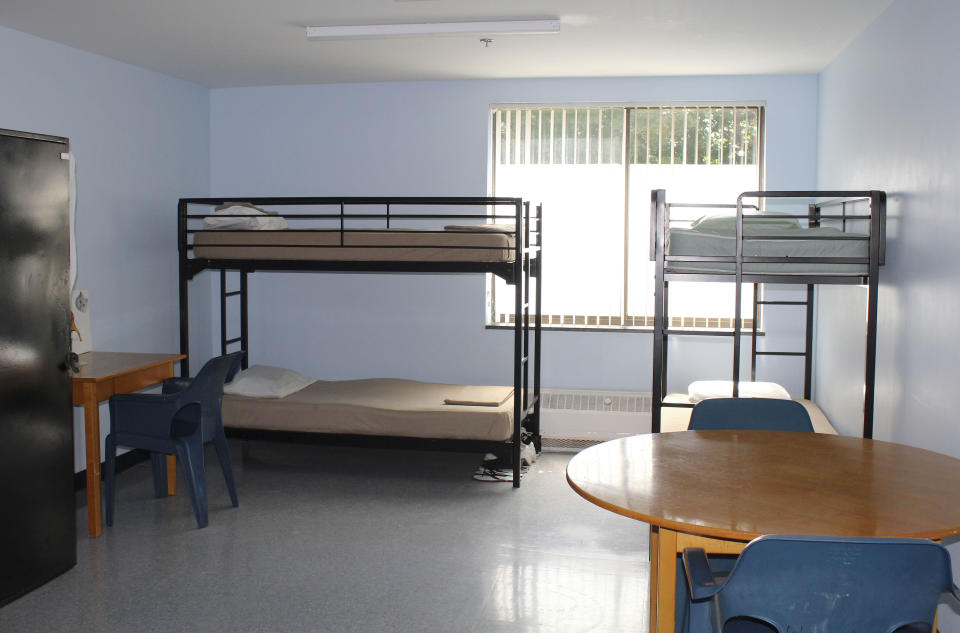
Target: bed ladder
526,407
813,215
806,354
243,339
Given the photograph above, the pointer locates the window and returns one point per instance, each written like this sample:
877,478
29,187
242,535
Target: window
593,169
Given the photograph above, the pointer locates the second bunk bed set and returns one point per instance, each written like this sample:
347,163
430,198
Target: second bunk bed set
829,237
496,235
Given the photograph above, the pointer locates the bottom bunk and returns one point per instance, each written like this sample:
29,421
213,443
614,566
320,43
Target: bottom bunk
381,406
385,411
675,415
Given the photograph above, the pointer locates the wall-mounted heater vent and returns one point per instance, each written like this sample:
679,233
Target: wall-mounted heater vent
574,419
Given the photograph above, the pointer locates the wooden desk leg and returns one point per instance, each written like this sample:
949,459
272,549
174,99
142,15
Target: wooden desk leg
171,459
171,474
91,419
654,567
666,580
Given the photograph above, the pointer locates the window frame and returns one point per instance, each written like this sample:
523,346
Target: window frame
627,322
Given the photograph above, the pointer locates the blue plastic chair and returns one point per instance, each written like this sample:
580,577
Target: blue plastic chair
764,414
178,421
768,414
818,584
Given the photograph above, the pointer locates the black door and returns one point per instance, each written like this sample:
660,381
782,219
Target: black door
37,514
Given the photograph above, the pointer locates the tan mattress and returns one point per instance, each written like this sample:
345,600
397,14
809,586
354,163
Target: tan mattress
385,245
677,418
380,406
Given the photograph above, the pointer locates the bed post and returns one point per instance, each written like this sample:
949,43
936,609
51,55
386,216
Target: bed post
878,211
518,359
753,332
244,321
223,311
813,220
184,299
526,307
538,328
808,343
737,298
658,200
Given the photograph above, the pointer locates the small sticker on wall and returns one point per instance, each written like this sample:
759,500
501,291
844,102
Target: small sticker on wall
80,322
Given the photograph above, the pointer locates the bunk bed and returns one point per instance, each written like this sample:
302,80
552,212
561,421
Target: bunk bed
494,235
837,239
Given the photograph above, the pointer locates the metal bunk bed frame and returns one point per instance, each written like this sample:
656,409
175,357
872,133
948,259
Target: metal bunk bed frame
527,262
660,217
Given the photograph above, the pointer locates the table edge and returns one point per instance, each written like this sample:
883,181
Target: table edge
733,535
169,359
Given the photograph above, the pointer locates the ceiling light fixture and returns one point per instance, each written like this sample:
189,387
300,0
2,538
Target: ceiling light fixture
493,27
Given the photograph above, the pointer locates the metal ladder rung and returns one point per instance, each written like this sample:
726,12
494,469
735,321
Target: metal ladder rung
782,303
781,353
232,340
672,332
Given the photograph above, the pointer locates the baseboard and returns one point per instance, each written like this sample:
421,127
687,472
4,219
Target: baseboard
125,461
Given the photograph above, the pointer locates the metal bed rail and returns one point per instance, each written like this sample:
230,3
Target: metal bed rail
351,218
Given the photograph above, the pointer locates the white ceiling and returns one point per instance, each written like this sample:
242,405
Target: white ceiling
221,43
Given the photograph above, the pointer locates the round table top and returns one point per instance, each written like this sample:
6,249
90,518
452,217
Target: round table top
742,484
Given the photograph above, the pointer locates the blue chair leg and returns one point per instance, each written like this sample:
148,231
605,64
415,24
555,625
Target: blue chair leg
190,454
688,612
110,448
159,463
223,453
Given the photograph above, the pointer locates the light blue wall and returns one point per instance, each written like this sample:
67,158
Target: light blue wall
886,121
430,138
141,140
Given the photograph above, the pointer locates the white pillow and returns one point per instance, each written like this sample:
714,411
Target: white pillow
727,224
263,381
704,389
255,219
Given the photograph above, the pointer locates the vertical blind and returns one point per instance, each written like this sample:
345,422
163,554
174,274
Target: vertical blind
665,135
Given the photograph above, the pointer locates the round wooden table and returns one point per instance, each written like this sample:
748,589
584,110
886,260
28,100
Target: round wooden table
720,489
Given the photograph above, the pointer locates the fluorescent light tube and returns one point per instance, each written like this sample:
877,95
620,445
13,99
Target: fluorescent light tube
497,27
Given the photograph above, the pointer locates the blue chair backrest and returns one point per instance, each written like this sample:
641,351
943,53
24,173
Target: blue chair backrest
836,585
767,414
207,389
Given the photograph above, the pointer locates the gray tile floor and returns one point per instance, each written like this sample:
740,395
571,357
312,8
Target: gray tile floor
333,539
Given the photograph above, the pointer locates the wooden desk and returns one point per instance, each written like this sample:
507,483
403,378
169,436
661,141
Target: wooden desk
720,489
101,375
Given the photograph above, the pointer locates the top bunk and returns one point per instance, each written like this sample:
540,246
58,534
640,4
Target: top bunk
810,237
361,234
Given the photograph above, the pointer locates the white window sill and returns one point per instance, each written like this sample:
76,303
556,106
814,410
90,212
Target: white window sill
624,328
